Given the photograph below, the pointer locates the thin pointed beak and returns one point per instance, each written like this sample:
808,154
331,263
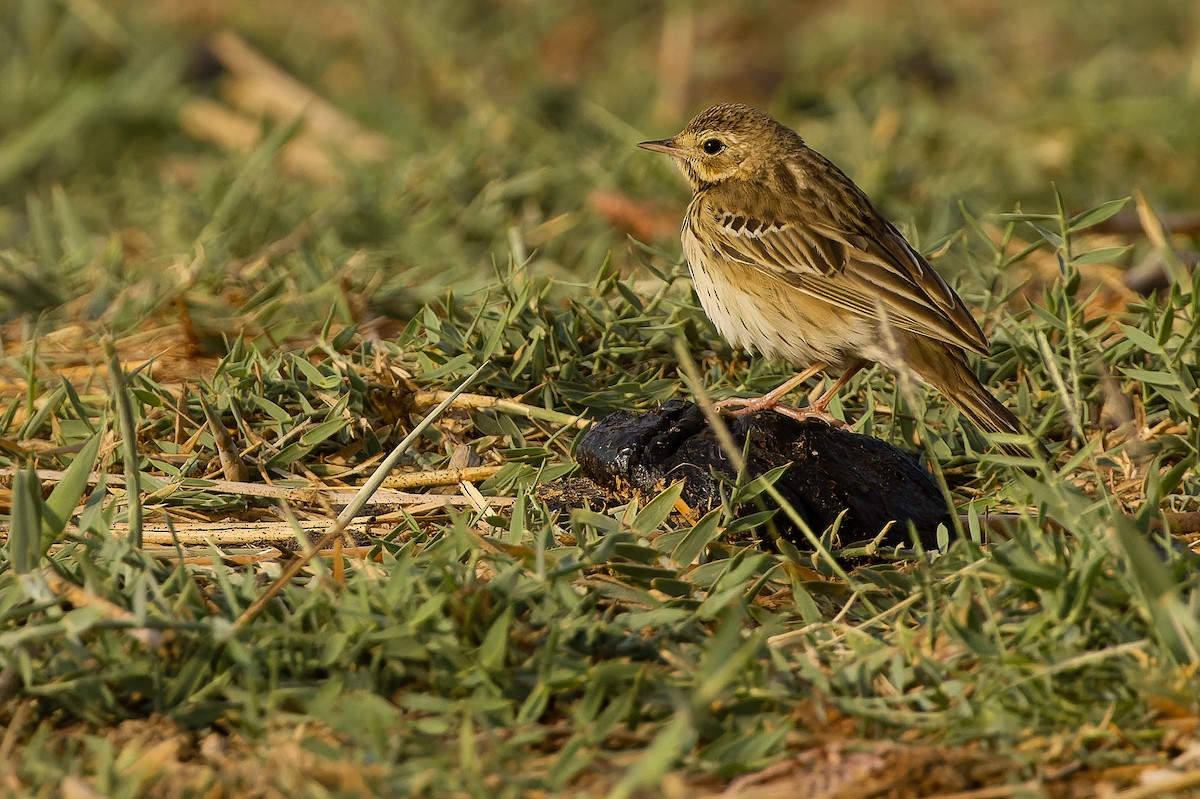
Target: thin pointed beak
662,146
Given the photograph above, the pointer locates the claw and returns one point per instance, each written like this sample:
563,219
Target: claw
745,406
770,400
809,414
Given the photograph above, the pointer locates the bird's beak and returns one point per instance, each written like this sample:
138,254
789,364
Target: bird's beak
667,146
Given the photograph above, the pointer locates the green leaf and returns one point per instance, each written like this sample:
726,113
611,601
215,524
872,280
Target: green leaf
1142,340
66,495
673,587
1096,215
270,408
314,375
672,741
25,534
1165,379
700,536
76,404
657,510
452,367
1054,239
491,651
1101,255
516,521
322,431
342,340
1048,317
751,490
726,654
49,407
643,573
1176,627
1007,218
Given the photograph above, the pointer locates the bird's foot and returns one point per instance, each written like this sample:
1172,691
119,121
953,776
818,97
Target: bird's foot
742,406
809,414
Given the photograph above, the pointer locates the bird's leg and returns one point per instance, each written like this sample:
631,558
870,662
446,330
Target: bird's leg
817,410
823,401
769,400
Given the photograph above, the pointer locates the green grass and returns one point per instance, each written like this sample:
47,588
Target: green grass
509,650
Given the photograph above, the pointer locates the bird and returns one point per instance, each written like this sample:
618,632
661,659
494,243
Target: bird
791,259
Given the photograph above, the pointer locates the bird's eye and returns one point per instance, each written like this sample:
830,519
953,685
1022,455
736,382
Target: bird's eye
713,146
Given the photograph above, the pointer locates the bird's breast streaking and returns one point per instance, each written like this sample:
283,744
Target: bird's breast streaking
765,314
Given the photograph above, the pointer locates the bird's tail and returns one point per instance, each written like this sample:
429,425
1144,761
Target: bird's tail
986,412
948,372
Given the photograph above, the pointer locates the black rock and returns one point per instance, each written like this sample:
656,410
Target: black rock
832,470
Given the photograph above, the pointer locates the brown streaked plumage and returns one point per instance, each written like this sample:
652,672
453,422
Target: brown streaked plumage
791,259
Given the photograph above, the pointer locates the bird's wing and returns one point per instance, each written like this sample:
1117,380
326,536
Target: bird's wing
860,263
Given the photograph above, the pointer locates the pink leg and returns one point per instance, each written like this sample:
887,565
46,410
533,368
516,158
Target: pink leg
769,400
817,410
823,401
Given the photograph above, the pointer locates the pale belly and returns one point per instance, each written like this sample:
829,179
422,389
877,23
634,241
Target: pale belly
756,312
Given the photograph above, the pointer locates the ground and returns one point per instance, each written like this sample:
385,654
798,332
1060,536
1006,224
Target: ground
247,249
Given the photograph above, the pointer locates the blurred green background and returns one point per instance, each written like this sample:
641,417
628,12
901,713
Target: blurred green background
508,129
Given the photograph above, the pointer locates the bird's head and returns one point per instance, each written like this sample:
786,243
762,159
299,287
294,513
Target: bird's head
727,142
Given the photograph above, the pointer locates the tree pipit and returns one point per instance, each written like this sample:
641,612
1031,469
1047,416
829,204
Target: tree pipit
791,259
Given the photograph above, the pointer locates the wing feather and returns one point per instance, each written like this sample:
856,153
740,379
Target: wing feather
859,262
